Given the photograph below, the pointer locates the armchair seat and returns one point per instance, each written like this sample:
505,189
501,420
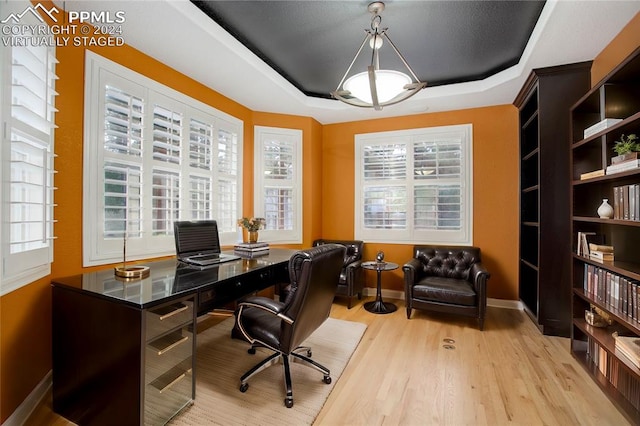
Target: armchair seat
447,279
445,290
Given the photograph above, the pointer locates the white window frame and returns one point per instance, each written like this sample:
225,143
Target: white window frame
24,267
96,249
410,235
262,134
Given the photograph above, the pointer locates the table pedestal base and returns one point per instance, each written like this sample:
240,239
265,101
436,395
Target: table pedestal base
380,307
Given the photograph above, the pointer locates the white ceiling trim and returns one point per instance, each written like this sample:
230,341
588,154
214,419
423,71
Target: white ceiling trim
178,34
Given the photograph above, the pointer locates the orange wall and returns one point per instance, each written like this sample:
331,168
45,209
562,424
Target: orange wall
25,314
495,185
620,47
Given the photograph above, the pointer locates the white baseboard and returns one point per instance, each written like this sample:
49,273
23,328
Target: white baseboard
399,295
24,410
506,304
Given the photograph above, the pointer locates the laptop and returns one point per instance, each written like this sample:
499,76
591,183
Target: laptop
198,243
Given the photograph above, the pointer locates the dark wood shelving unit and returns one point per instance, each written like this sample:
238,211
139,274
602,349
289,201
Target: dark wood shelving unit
616,96
543,104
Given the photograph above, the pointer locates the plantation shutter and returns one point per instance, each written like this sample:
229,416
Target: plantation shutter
123,135
279,159
28,132
414,185
438,185
385,193
161,156
228,160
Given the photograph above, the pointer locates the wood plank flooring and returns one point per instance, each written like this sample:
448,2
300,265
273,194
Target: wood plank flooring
401,374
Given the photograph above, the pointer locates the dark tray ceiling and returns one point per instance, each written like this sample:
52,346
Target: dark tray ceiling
311,43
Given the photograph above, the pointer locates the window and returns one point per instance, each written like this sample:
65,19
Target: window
415,186
162,157
27,162
278,183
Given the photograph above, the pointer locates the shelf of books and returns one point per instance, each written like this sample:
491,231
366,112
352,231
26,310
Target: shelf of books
605,204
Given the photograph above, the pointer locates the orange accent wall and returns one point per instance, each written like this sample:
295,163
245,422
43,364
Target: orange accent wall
25,314
620,47
495,189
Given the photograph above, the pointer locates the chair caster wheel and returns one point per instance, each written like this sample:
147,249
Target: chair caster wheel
288,402
244,387
252,351
327,379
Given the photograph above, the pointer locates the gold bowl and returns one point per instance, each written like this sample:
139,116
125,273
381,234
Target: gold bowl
595,320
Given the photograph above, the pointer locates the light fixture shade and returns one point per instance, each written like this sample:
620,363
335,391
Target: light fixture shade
389,84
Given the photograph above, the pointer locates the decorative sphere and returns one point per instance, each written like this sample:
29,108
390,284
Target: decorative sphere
380,256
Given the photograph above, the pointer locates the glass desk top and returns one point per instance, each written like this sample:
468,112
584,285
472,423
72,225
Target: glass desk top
169,278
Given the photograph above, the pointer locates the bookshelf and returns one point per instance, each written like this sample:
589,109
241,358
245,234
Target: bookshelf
543,104
610,286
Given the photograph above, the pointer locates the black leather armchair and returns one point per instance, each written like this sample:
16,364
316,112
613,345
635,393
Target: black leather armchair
351,282
283,326
446,279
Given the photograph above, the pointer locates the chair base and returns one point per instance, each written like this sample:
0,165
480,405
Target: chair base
273,358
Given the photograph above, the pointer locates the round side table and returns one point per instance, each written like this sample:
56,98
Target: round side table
378,306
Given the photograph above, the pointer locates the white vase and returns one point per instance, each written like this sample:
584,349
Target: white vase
605,211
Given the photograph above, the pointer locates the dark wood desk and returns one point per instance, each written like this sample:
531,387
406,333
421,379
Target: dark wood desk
124,352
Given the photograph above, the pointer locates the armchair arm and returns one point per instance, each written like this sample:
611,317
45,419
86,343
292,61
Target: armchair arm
354,277
411,270
478,275
269,305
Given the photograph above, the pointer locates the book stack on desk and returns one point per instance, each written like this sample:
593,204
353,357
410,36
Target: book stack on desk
251,249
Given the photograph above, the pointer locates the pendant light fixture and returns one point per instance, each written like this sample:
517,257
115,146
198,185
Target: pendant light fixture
375,87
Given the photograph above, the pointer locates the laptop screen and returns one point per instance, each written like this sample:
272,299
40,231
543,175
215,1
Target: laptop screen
196,237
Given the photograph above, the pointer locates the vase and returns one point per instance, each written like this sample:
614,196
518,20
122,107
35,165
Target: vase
252,236
605,211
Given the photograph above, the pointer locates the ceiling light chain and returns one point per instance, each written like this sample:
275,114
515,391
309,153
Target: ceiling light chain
376,88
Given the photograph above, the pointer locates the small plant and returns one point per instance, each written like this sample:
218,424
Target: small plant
251,224
627,144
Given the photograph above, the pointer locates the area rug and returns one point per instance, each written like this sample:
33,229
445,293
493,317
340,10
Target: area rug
222,360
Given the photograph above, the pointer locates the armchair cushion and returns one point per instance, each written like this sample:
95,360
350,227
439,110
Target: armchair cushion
445,290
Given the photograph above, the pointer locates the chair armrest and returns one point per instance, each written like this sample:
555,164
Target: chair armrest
478,272
354,264
269,305
478,276
354,277
412,270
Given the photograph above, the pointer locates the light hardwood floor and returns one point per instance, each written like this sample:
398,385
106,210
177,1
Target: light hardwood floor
401,374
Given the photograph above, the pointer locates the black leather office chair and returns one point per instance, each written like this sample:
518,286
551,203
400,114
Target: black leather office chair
284,326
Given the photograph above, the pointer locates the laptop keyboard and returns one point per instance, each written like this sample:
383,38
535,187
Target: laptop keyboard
205,257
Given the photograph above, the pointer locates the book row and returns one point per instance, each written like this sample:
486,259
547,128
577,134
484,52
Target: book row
618,376
612,290
626,202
